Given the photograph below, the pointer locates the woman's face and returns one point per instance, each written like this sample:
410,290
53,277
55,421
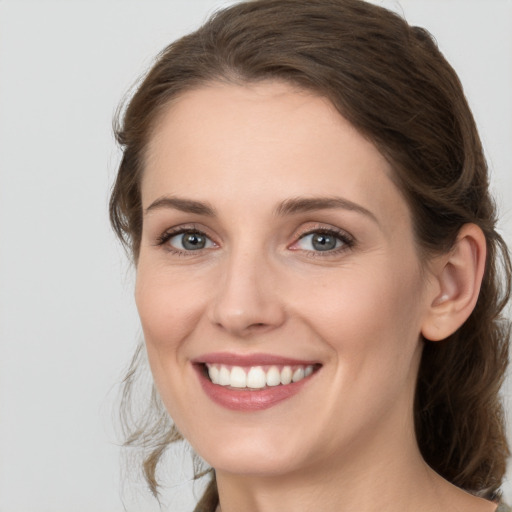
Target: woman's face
276,247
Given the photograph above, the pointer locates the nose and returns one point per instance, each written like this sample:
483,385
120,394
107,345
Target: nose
247,301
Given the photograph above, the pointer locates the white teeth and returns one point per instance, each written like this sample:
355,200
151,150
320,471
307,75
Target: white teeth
213,372
224,376
298,374
238,377
286,375
256,377
273,376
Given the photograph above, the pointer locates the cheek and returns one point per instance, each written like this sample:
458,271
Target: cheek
371,322
168,309
370,315
168,306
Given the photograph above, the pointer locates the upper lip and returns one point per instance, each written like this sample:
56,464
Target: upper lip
249,359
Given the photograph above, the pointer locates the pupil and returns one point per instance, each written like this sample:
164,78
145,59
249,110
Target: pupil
323,242
193,241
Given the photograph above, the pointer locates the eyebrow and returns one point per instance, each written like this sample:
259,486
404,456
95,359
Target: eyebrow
308,204
182,204
288,207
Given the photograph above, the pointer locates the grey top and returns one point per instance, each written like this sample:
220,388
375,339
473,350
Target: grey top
501,508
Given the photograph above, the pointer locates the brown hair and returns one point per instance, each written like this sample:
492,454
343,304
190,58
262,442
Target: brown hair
393,84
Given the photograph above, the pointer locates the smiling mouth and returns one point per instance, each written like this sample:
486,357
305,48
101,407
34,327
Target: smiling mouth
257,377
252,382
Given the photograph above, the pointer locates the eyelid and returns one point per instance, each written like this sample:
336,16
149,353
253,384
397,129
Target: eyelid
348,241
169,233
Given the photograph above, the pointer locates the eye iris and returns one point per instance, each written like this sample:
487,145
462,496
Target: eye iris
323,242
193,241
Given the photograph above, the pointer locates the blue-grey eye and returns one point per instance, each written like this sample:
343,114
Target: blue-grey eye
319,242
190,241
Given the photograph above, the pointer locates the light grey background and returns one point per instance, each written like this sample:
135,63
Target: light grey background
68,324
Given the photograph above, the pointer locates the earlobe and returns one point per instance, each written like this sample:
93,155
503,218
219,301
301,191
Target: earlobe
458,275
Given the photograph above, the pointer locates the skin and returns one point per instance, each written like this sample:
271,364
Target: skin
346,440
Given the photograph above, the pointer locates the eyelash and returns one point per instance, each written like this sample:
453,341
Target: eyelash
347,240
167,235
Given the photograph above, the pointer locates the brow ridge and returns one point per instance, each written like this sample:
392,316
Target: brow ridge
182,204
308,204
290,206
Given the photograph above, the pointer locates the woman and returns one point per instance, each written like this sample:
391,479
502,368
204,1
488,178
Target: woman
305,197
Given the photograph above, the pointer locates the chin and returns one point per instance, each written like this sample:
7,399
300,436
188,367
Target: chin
254,464
255,452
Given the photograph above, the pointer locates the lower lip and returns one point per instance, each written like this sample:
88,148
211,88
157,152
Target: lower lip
249,399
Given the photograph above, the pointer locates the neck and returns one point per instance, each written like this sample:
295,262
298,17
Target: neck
379,477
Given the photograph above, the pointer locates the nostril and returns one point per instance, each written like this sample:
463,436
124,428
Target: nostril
257,326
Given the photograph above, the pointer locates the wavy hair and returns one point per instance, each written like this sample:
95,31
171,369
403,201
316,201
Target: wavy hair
391,82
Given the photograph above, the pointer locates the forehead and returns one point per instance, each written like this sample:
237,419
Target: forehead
264,141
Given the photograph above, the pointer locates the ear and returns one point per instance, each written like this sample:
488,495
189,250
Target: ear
457,277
